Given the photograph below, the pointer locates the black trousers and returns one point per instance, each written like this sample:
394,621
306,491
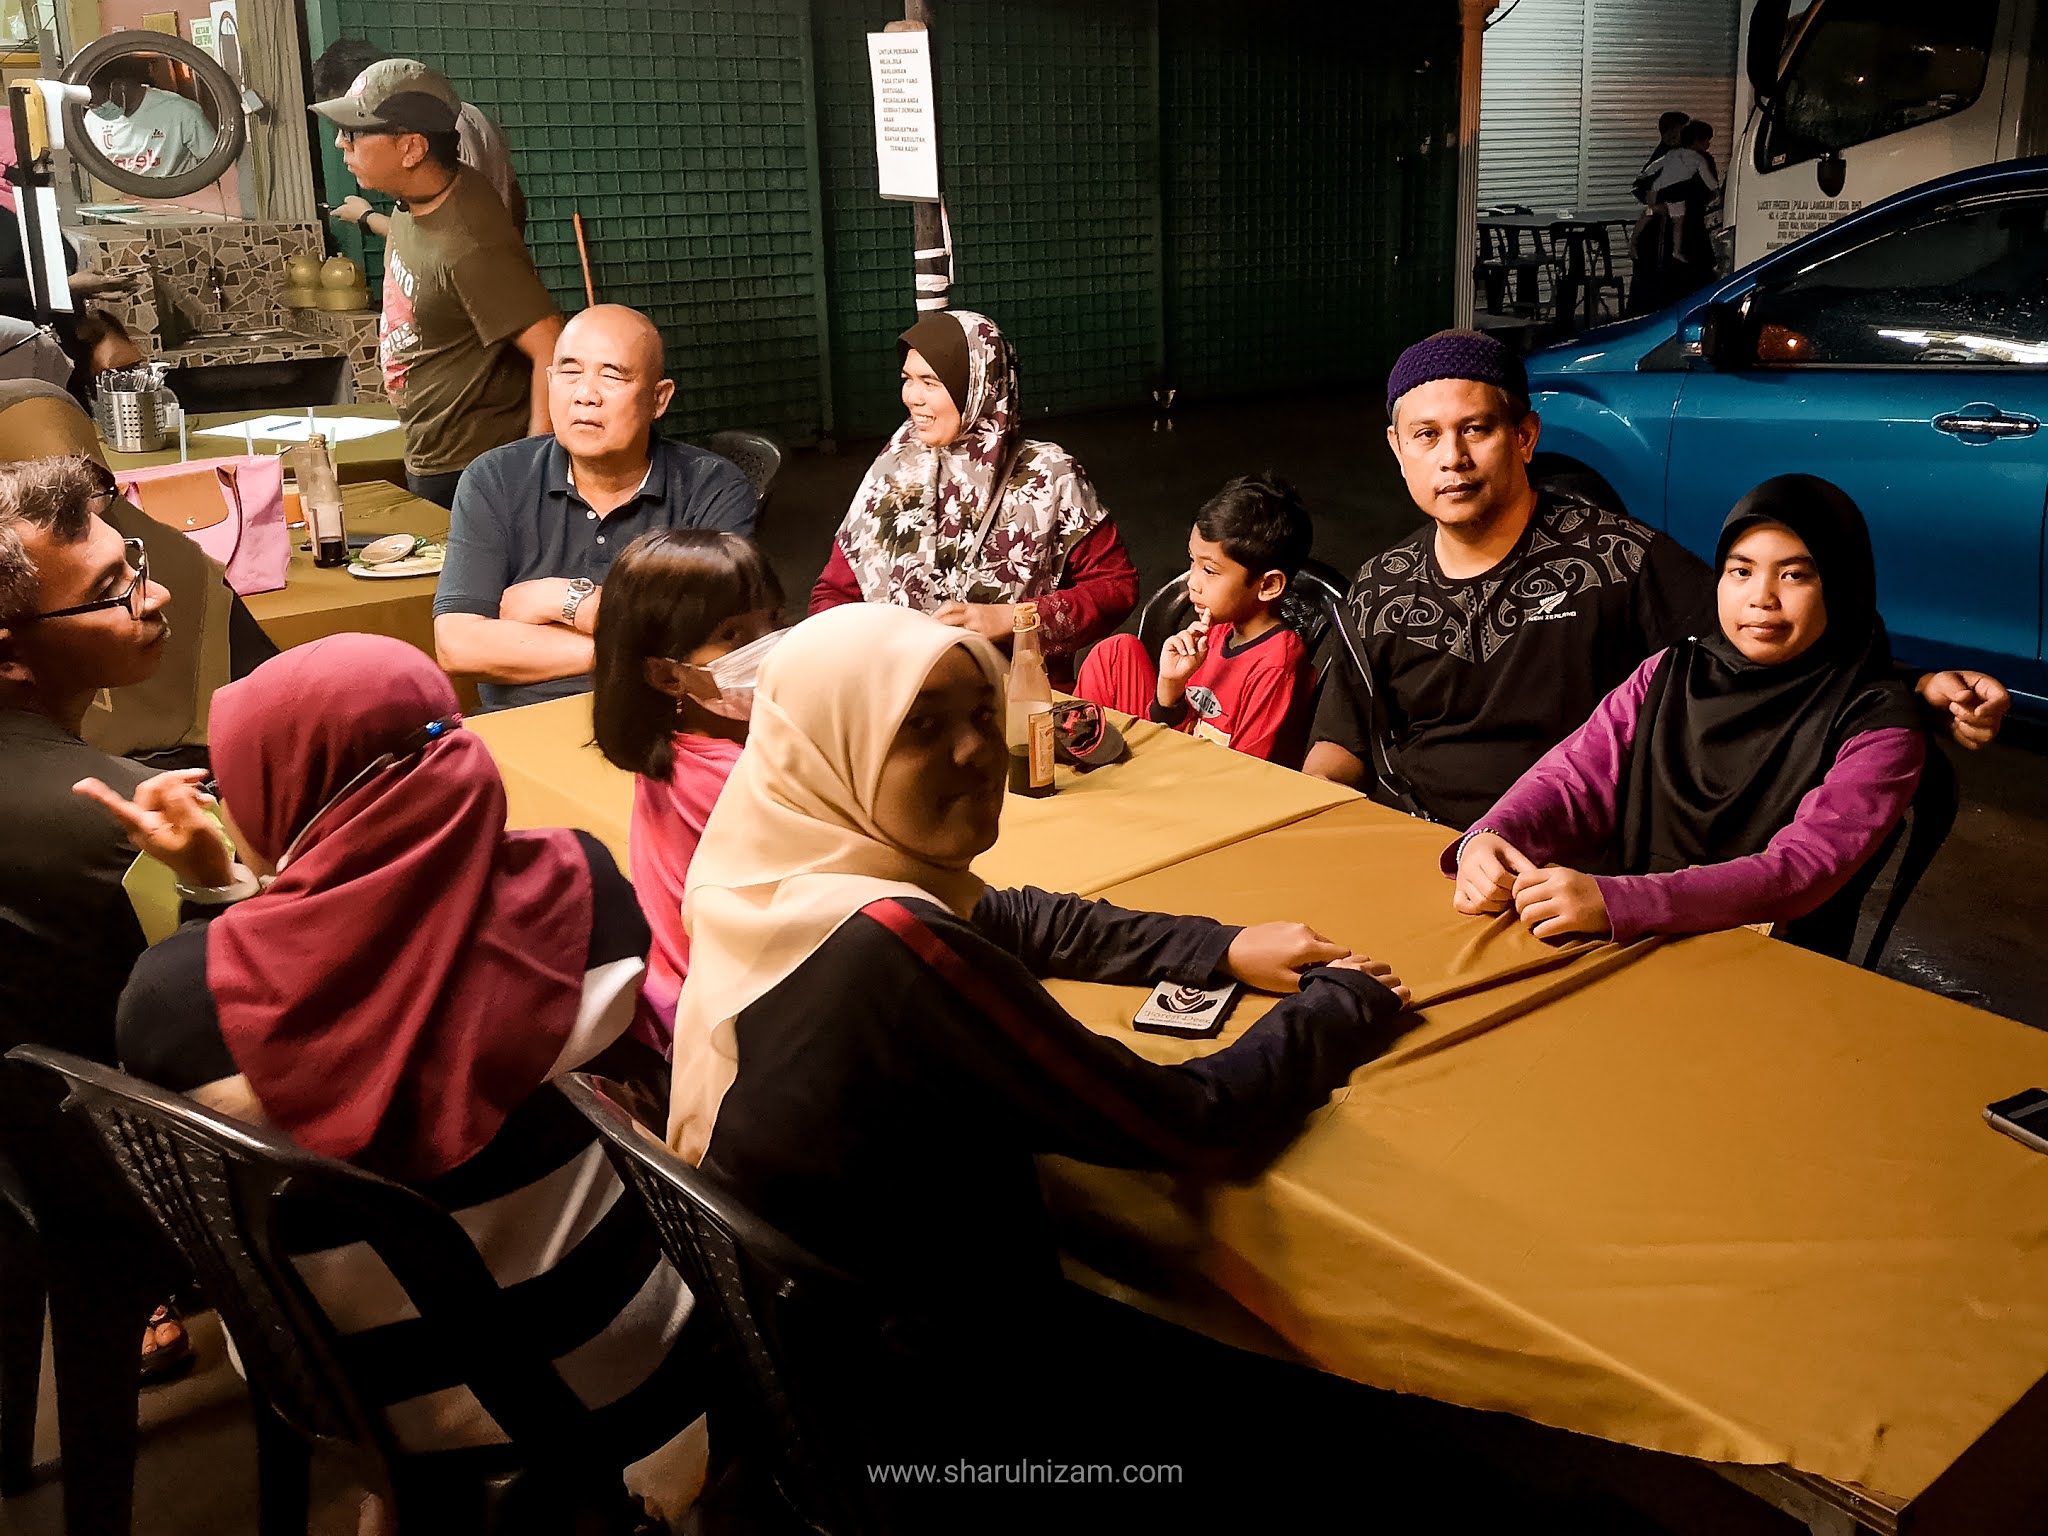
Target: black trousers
439,489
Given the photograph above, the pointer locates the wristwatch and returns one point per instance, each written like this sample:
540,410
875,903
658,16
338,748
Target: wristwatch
580,588
241,887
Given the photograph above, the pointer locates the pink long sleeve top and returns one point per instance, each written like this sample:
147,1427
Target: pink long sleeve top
668,822
1565,810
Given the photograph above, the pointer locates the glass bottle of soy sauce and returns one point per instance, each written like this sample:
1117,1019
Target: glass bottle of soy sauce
1028,717
320,495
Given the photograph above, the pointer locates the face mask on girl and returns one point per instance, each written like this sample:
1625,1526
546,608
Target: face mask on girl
726,687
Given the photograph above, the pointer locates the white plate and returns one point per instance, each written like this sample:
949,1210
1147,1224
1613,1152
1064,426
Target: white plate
416,565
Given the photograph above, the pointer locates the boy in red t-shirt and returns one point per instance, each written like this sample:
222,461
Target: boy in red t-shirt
1237,675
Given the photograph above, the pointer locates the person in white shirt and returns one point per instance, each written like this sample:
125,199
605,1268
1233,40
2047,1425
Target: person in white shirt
1674,251
1678,171
146,130
31,351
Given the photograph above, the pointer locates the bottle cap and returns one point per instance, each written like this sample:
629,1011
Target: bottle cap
1024,616
317,440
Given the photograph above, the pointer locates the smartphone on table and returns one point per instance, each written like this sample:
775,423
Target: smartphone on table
2023,1117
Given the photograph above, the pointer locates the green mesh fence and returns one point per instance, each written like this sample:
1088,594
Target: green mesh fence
1225,197
1048,136
867,241
1310,177
1048,142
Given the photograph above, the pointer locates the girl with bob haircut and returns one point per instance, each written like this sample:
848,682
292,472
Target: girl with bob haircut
675,602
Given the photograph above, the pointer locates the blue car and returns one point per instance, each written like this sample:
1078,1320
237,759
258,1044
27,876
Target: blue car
1902,353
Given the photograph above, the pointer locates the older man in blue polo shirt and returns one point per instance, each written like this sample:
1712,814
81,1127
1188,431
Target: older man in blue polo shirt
537,523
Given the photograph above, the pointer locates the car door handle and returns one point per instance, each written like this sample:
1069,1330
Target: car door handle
1987,426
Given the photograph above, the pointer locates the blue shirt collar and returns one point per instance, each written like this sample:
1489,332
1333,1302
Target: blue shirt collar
561,481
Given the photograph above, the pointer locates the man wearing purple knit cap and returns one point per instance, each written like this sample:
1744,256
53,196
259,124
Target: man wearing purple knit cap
1492,633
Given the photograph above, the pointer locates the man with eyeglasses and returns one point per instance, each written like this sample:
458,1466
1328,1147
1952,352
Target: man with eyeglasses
483,141
78,615
467,325
538,523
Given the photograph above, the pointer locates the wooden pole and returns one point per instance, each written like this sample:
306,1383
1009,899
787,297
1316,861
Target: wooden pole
583,255
931,262
1471,60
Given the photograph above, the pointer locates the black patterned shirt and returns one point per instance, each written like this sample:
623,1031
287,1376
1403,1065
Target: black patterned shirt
1480,677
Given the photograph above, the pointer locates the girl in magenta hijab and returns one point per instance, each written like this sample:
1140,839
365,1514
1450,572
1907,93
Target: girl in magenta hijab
390,976
405,925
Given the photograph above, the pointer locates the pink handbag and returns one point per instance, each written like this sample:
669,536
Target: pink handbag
231,508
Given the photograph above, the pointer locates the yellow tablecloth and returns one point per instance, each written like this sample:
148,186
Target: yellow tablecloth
554,775
1366,877
1714,1196
316,601
1172,796
377,458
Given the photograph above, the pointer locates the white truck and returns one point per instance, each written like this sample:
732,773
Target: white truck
1844,102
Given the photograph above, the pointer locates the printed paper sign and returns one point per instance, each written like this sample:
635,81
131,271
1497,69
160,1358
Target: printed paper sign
1792,218
906,123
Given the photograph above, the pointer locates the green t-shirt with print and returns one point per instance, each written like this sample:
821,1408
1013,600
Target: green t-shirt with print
458,287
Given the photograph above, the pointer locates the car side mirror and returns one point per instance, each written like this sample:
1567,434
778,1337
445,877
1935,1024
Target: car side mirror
1722,339
1831,171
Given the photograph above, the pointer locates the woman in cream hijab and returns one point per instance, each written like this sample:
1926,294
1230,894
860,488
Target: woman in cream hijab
863,1049
865,1056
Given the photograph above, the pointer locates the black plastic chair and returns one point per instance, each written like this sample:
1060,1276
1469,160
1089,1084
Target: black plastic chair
1387,785
73,1237
1931,817
227,1193
1831,930
754,453
813,1354
1303,609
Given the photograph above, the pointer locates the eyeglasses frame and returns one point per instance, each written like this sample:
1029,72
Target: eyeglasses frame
129,598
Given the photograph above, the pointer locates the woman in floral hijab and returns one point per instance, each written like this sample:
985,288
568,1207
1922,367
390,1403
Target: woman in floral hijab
962,517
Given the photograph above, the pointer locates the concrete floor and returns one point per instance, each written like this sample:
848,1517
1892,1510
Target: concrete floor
1971,932
195,1474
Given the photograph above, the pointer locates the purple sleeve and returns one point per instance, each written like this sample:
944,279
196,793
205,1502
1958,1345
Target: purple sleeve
1562,809
1840,823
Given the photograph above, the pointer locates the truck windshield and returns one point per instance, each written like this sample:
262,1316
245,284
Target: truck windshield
1867,68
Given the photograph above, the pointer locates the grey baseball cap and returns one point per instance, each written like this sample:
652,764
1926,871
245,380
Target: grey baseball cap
396,96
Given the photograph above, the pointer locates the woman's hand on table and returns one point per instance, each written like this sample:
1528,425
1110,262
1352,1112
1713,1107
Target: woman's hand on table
167,820
1554,902
991,621
1488,866
1270,956
1380,972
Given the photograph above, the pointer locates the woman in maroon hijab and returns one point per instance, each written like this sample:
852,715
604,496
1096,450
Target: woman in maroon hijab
392,977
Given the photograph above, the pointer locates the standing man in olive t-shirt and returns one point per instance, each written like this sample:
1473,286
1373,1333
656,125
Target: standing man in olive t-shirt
468,328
